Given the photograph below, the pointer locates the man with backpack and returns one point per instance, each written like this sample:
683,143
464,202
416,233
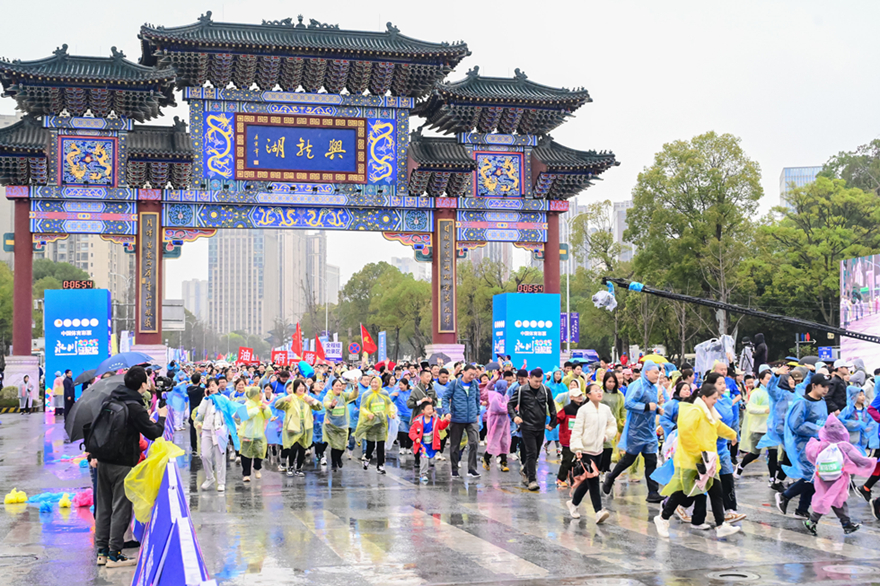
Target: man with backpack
114,440
530,405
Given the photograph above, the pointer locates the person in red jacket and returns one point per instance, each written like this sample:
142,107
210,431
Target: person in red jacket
425,434
565,418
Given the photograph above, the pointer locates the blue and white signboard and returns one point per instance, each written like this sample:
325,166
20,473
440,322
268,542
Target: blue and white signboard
525,326
383,346
826,353
77,329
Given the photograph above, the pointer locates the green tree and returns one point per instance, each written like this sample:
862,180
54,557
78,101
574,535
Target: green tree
691,216
62,271
859,168
592,237
6,287
798,261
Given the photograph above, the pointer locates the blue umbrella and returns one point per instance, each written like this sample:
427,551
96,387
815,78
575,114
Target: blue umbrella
123,360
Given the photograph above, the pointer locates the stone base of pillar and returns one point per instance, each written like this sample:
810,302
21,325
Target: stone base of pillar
454,351
18,366
159,352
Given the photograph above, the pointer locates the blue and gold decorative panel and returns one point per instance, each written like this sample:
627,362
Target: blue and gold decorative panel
494,203
499,174
382,162
300,148
305,218
218,146
87,160
83,217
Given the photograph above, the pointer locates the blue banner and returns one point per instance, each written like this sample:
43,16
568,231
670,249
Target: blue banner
383,346
77,329
294,148
526,328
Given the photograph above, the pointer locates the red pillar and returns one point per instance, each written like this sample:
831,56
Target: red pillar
148,274
23,280
443,292
551,254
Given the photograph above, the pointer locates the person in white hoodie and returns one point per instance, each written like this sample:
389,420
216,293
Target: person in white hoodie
593,426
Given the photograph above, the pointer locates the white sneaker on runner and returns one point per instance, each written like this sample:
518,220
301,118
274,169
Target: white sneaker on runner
662,526
573,510
727,529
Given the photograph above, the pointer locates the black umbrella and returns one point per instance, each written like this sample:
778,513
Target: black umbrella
88,405
436,358
810,360
84,377
493,366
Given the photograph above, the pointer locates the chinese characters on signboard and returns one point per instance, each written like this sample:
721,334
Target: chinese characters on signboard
150,255
446,250
571,325
300,148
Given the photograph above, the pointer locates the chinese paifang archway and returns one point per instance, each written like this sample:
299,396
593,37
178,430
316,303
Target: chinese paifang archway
292,125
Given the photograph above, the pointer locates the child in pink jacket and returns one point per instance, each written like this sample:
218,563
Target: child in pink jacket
831,494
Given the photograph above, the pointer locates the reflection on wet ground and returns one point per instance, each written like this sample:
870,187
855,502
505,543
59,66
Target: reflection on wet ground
358,527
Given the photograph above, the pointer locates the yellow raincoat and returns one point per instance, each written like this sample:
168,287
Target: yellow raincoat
336,420
299,423
615,402
755,421
252,432
375,429
698,431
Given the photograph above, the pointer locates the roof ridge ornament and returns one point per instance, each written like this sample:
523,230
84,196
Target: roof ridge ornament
206,18
300,24
117,55
391,29
316,24
179,125
61,51
474,72
519,74
285,22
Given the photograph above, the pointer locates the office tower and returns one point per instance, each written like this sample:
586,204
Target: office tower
409,265
797,177
333,283
619,224
498,252
195,297
254,278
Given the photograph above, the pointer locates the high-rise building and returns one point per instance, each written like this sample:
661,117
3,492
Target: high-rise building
797,177
195,297
254,278
107,263
498,252
334,277
315,283
619,225
409,265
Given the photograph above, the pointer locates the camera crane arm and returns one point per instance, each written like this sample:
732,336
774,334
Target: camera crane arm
639,287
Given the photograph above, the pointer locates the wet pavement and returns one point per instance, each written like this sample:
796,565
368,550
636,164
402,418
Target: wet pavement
358,527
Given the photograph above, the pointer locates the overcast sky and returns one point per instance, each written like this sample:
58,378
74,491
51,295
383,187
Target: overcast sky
795,80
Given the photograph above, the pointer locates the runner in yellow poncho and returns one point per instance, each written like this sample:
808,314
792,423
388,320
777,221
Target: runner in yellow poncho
376,408
252,433
299,423
336,420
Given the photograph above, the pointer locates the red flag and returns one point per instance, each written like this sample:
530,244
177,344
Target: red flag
319,349
297,344
369,344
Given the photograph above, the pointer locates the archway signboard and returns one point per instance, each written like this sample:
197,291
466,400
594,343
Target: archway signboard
292,125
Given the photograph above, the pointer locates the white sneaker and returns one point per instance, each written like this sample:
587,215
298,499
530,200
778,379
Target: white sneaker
258,474
323,460
207,484
738,473
282,468
349,454
703,527
662,526
221,487
727,529
573,510
601,516
512,457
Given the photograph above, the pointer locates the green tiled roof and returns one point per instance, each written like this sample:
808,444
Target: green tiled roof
442,153
559,157
27,134
516,90
73,69
285,37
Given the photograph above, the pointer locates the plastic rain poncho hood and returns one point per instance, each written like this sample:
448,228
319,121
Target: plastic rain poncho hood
833,493
862,427
803,421
639,433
